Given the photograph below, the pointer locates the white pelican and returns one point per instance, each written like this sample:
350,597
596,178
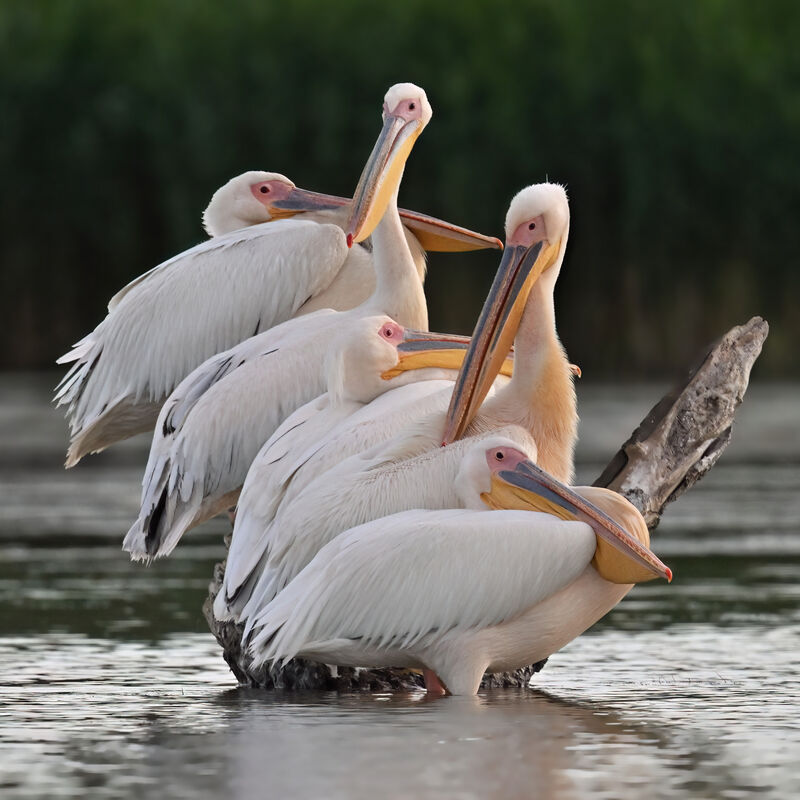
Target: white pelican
282,532
460,592
310,438
370,356
541,394
214,423
247,278
262,560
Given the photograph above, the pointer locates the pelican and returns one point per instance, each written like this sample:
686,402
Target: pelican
460,592
276,252
283,532
214,423
263,559
357,391
307,445
371,355
541,394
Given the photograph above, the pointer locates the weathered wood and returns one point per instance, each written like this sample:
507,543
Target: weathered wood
674,446
685,433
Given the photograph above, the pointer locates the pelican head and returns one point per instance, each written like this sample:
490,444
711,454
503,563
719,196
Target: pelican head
376,353
622,554
406,112
488,456
537,225
255,197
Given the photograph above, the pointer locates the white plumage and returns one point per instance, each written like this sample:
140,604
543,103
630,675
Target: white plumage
409,472
307,445
421,571
458,592
412,471
314,438
214,424
259,269
205,300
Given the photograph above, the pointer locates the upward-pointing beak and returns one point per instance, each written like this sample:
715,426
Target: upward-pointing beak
494,333
527,487
381,175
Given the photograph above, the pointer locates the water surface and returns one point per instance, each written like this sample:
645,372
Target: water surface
111,686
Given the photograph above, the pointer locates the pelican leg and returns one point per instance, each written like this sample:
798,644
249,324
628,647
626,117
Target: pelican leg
432,683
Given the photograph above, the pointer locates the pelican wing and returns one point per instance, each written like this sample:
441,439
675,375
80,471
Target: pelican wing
215,422
262,489
278,475
394,581
201,302
331,490
382,480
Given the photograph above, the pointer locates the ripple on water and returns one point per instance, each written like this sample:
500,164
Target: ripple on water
110,685
691,710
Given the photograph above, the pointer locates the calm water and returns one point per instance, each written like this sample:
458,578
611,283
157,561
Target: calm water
111,686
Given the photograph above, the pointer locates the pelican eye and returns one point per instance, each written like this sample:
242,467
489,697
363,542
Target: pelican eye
531,226
411,106
264,190
499,455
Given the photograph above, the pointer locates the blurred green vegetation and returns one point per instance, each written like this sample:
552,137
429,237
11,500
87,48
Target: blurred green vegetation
674,125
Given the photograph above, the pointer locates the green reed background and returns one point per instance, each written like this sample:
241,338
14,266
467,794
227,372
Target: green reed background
674,125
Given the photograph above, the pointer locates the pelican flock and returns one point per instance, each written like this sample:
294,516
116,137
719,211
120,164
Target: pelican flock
402,497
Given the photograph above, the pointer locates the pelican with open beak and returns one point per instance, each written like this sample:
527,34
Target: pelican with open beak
461,592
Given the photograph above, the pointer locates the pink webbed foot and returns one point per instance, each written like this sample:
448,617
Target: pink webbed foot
432,683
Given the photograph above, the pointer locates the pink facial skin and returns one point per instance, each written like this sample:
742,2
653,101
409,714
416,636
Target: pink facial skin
269,192
406,109
504,458
392,333
529,232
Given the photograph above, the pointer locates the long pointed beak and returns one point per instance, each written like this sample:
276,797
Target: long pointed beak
438,236
527,487
434,234
299,200
421,349
381,176
494,333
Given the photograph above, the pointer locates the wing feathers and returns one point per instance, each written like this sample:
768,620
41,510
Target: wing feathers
168,321
393,581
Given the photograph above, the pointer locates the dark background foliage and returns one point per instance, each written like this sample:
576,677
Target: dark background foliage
675,127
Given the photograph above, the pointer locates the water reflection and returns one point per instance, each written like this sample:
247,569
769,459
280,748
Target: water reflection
111,686
617,715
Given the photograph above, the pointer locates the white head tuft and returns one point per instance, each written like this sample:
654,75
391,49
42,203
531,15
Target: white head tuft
234,206
358,357
401,92
546,199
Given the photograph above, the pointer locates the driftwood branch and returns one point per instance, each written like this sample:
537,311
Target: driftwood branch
674,446
685,433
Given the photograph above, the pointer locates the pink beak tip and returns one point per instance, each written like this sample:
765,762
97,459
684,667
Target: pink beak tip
349,240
